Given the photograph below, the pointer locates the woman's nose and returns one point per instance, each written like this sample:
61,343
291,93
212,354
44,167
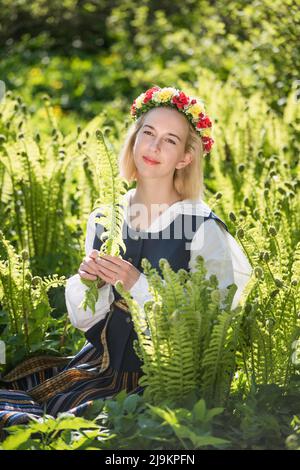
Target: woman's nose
155,144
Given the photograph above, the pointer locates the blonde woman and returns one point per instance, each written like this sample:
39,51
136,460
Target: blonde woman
164,217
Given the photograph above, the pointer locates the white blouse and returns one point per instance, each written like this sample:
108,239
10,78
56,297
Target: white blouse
222,254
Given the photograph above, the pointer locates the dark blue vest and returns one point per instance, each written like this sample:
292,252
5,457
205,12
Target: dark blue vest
173,244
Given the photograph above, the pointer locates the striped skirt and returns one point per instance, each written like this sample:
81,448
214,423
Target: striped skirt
51,385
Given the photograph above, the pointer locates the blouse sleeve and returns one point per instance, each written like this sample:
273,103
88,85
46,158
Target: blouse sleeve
75,289
222,256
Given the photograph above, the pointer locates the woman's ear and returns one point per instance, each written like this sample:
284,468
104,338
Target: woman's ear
187,159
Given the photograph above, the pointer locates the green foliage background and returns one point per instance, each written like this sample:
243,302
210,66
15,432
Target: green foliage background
93,52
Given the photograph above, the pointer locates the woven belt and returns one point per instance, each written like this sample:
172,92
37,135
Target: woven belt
122,304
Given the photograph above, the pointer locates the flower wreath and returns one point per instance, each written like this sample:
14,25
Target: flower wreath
192,108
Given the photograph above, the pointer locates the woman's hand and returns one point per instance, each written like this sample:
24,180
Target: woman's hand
88,269
113,269
109,268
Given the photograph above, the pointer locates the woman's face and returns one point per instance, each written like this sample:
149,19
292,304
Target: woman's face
162,139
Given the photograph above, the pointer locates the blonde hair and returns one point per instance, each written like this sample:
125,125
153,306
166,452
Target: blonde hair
188,181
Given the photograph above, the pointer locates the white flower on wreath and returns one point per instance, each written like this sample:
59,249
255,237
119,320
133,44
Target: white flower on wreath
139,101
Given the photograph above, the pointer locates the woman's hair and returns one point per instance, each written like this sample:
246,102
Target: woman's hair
188,181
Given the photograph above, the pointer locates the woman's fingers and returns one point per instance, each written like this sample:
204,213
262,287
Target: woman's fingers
107,277
89,266
112,276
111,267
88,269
86,275
92,268
91,277
94,254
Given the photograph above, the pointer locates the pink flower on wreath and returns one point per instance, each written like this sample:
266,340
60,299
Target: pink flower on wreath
181,100
203,122
149,94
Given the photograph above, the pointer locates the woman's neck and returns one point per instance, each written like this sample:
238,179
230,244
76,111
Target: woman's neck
142,211
149,196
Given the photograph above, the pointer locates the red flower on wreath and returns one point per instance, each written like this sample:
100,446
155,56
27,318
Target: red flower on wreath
207,143
149,94
181,100
203,122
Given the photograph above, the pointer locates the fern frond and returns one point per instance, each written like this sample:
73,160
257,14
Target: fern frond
111,189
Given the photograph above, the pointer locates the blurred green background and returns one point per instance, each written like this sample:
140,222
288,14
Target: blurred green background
92,54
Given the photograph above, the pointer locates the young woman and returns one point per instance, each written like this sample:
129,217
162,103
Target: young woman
164,217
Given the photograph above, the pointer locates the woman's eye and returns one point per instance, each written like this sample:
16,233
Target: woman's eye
150,133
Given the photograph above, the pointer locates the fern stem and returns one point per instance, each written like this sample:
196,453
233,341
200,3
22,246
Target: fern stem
24,310
30,245
270,272
271,358
17,210
246,251
245,365
31,202
11,297
252,354
265,358
48,218
283,305
63,336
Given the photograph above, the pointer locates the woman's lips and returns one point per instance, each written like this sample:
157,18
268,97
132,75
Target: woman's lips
149,161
